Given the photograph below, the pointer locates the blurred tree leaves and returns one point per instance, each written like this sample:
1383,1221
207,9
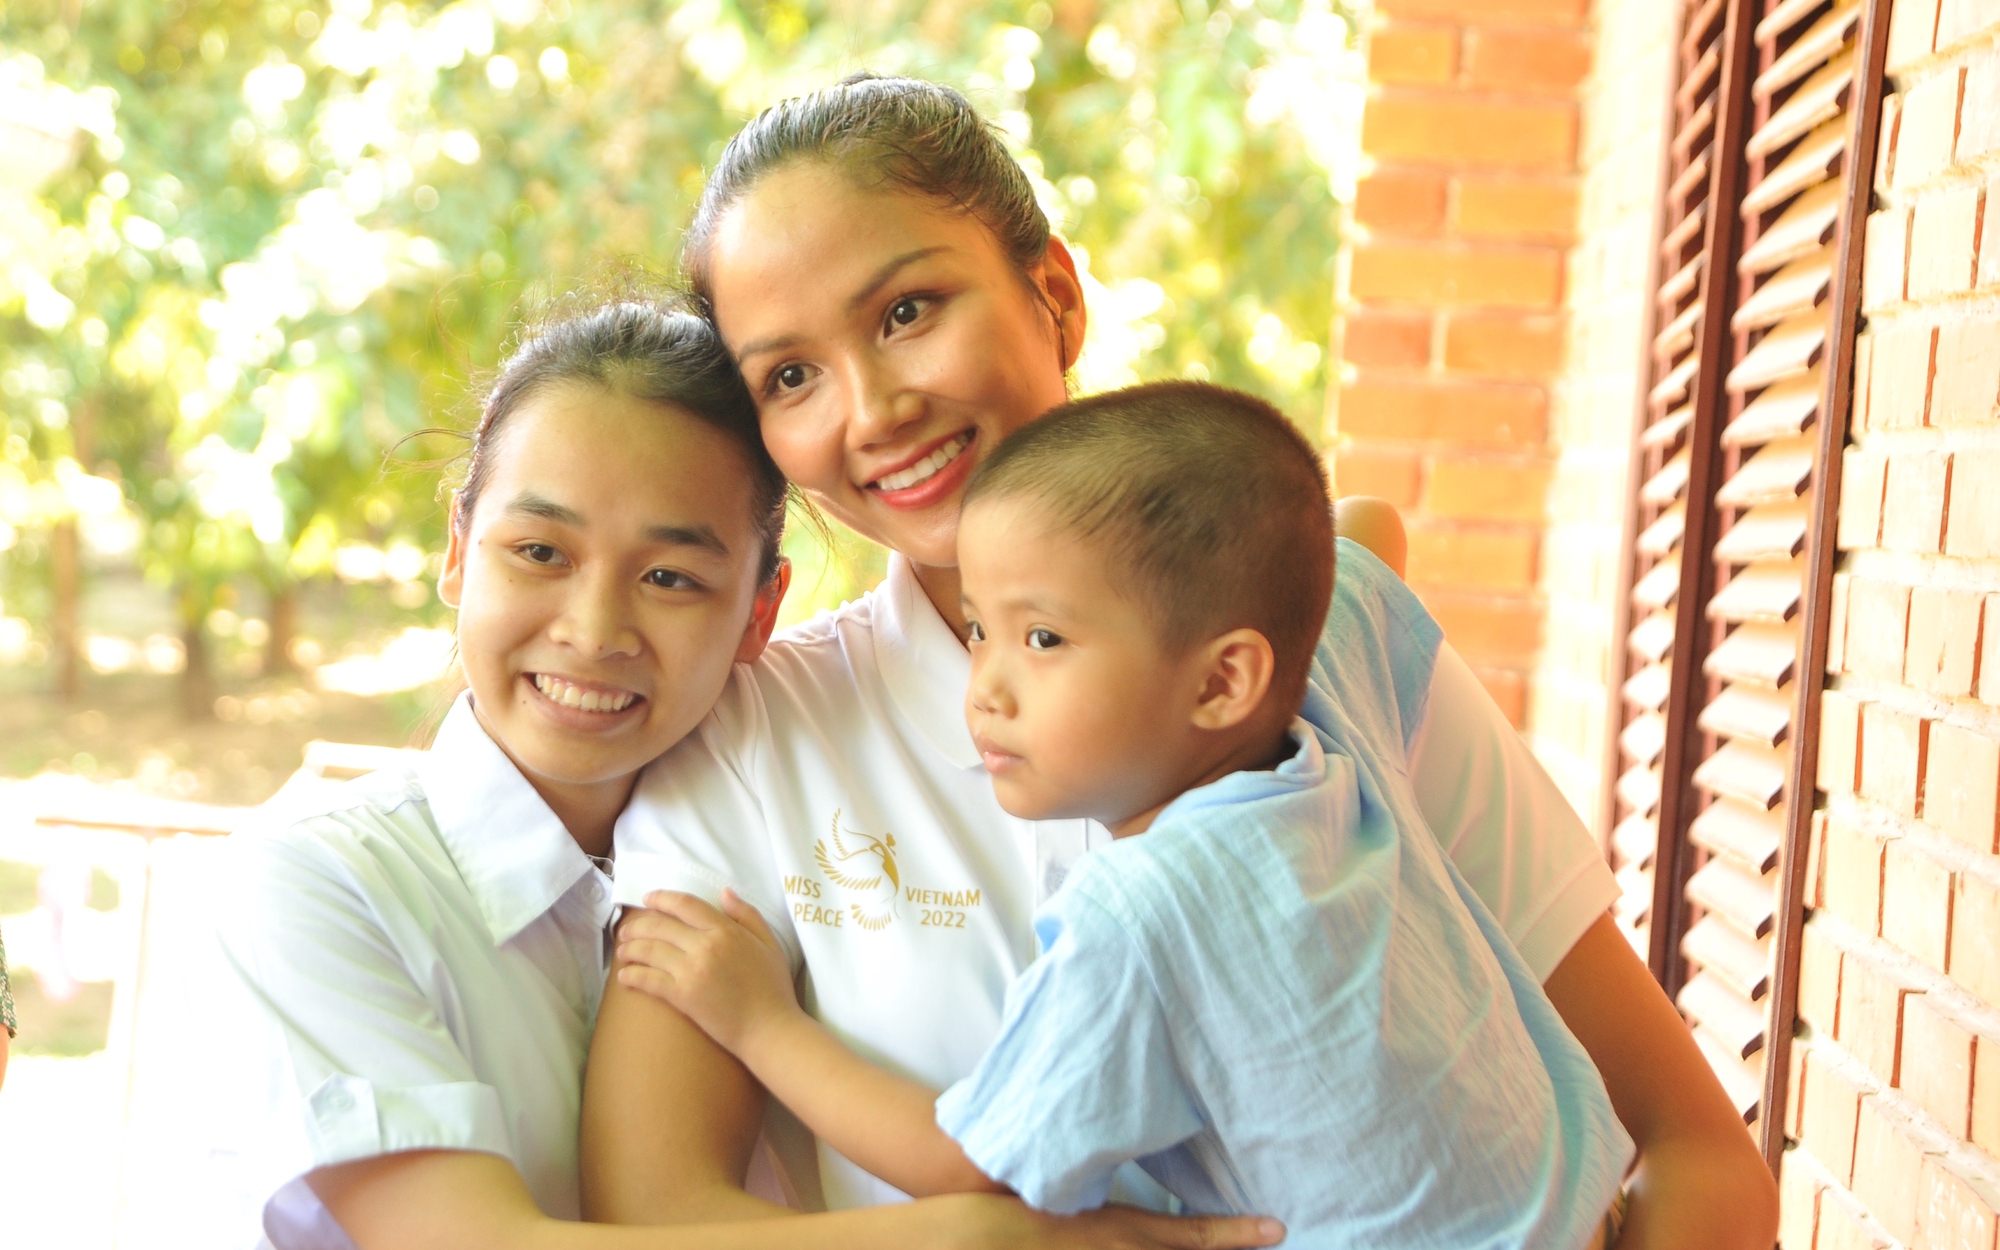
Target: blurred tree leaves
295,233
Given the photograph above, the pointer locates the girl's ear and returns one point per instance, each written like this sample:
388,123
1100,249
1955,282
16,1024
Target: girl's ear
1236,670
1064,286
764,613
451,582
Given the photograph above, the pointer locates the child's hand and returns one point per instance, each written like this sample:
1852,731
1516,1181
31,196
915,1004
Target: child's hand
724,970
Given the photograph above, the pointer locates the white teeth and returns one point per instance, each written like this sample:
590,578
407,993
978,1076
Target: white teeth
922,470
568,695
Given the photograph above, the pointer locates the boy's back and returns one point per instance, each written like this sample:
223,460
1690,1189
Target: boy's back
1283,1004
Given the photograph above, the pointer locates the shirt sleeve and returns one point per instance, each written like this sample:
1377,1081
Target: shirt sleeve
695,823
1498,814
373,1070
1083,1077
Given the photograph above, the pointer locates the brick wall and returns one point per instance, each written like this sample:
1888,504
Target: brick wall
1896,1100
1593,398
1454,330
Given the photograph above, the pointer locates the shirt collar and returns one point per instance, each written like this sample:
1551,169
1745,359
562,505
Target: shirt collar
1305,768
923,664
514,853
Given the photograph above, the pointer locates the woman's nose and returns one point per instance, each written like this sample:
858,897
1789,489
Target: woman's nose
882,405
598,622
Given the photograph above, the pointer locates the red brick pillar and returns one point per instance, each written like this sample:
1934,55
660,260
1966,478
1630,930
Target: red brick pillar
1453,330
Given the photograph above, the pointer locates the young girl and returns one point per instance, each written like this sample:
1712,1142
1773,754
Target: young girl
427,952
880,270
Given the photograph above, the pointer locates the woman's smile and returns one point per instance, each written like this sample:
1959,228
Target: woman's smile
596,704
934,475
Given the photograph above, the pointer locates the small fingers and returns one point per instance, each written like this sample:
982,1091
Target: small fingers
664,956
647,980
743,913
685,907
1201,1232
655,926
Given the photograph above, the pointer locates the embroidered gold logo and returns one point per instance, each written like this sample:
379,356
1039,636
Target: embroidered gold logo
840,865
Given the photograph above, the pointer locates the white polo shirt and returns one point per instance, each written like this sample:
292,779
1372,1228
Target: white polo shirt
426,955
837,788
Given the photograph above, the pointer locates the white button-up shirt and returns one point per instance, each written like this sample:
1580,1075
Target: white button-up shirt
428,953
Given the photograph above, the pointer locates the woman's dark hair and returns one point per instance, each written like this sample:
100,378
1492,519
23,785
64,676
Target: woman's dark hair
654,350
900,132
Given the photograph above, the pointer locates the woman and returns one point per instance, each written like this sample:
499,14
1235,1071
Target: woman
880,270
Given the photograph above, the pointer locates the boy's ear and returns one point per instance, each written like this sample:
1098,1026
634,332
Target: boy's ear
764,613
451,581
1236,675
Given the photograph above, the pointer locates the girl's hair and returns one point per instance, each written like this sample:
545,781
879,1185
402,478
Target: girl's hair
900,132
654,350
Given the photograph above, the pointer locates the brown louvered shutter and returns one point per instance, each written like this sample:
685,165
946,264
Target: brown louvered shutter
1732,554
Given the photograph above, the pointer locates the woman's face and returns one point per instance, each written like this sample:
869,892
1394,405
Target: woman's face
890,344
605,583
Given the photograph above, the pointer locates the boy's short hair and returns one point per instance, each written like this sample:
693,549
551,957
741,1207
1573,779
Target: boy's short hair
1215,507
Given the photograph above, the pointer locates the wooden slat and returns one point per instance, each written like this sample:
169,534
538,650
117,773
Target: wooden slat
1783,409
1750,774
1814,47
1756,652
1635,894
1738,1024
1660,434
1688,179
1787,349
1727,891
1792,290
1761,592
1664,534
1741,832
1659,586
1678,287
1808,164
1666,486
1634,839
1771,532
1817,100
1696,128
1699,77
1643,739
1806,223
1653,637
1778,472
1684,230
1640,789
1783,16
1647,688
1749,714
1679,334
1739,963
1741,1079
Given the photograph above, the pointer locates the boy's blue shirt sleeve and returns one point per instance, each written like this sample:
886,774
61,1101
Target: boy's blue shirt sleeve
1083,1077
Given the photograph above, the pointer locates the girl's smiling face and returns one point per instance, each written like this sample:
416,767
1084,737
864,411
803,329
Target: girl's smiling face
606,581
889,342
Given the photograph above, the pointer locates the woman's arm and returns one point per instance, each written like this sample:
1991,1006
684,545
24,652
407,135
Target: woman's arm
669,1119
1701,1180
725,971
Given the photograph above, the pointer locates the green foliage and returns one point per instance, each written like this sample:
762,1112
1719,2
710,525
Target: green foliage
298,232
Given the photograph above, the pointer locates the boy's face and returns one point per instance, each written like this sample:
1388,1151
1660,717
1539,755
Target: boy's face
1076,707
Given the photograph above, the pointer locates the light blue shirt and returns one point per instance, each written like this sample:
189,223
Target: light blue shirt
1281,1005
1282,1000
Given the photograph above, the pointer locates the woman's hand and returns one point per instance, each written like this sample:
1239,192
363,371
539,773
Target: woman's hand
991,1223
724,969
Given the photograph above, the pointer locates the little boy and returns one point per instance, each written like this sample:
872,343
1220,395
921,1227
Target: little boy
1281,1000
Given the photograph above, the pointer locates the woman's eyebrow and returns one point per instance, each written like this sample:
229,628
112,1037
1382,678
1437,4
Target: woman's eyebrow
528,503
881,276
876,280
688,536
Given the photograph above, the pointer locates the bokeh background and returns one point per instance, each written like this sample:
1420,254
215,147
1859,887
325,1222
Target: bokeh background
249,247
